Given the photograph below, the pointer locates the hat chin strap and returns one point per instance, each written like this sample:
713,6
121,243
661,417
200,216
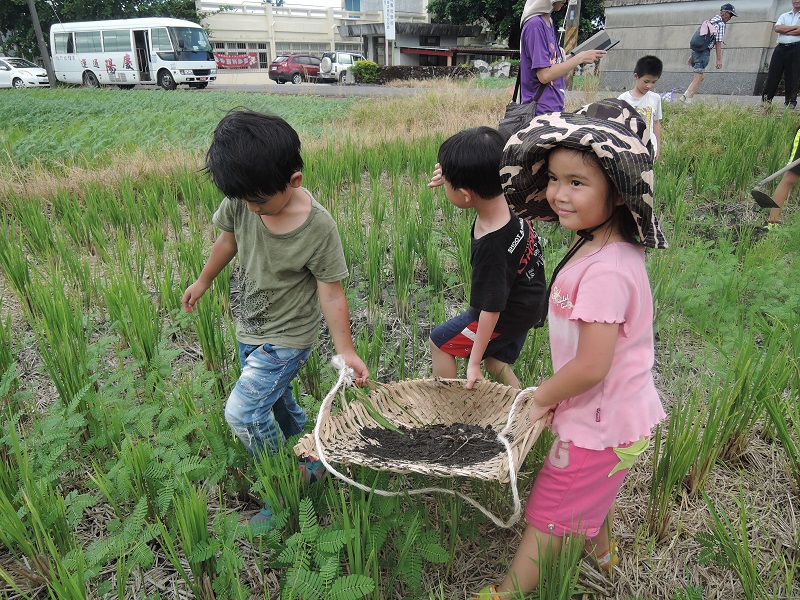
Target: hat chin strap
585,235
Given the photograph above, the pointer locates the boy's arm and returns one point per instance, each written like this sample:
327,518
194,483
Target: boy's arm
657,133
333,303
718,48
592,361
486,324
222,252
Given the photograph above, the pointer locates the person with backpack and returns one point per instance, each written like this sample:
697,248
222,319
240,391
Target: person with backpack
710,34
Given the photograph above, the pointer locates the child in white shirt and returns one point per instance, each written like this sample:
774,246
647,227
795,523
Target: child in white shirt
647,102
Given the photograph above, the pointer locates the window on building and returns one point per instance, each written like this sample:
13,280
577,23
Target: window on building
429,40
353,5
88,41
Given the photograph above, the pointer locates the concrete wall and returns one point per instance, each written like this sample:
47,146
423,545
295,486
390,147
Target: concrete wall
664,28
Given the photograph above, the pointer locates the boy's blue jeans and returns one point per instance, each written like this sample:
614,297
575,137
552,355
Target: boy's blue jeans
261,409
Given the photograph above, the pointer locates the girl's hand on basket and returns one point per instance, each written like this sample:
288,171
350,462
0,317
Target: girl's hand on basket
354,362
537,412
436,178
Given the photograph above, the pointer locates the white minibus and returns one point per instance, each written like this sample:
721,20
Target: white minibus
127,52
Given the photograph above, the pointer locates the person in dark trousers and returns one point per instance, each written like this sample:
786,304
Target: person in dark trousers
785,58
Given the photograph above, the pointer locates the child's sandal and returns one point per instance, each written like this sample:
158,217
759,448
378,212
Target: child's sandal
608,559
488,593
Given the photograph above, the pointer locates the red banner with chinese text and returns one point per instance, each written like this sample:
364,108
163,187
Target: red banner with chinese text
236,61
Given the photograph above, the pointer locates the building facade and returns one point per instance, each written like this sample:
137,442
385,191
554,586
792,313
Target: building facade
664,28
250,27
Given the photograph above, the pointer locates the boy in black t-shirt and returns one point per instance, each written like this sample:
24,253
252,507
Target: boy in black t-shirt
508,291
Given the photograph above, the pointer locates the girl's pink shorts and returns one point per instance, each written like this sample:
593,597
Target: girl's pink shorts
573,492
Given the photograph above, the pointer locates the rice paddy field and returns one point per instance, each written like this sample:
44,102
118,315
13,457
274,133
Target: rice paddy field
119,477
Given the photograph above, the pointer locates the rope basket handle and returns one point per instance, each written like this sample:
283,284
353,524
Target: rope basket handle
346,379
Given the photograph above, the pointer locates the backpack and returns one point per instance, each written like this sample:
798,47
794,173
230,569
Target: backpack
700,42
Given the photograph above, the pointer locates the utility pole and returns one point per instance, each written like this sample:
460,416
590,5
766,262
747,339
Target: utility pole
571,22
37,27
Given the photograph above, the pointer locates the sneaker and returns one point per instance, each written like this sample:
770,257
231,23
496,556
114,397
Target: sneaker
792,106
311,470
682,98
488,593
261,522
772,225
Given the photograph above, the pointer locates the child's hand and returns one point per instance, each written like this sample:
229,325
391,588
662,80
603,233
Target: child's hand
474,374
537,412
354,362
436,178
192,295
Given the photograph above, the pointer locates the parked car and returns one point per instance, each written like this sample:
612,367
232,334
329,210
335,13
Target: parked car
336,65
294,68
20,73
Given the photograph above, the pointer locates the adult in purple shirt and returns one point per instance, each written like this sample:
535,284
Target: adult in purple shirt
541,63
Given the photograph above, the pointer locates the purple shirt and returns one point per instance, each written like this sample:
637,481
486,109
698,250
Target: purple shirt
539,48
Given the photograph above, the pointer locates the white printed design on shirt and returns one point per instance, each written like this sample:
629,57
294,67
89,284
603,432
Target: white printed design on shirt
559,300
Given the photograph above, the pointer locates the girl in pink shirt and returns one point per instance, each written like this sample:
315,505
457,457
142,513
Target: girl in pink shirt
592,172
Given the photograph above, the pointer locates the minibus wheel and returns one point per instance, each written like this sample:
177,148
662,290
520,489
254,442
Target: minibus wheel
90,80
165,80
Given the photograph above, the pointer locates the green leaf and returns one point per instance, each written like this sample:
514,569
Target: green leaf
351,587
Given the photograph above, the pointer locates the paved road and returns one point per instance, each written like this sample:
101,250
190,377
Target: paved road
260,83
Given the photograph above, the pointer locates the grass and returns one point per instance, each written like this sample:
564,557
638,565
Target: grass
113,397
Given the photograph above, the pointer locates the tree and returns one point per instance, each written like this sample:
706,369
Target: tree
501,17
17,26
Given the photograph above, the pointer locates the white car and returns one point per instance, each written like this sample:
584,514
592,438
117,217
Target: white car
20,73
335,66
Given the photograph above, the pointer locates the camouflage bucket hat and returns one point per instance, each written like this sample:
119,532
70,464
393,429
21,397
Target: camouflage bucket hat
612,130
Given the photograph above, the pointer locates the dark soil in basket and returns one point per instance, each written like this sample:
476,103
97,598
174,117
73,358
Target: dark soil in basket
456,445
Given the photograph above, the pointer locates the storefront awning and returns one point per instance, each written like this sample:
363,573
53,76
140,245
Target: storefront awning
427,51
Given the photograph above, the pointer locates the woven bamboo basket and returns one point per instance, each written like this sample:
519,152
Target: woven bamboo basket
422,402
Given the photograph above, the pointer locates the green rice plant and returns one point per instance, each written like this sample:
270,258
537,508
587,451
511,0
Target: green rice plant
63,336
673,457
728,544
37,232
749,377
559,570
764,372
278,482
7,349
314,566
460,232
402,254
189,523
209,325
14,263
78,272
69,212
139,473
133,314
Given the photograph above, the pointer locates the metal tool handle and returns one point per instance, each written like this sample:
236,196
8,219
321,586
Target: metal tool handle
791,165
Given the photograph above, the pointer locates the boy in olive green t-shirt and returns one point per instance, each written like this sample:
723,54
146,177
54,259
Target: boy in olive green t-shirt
291,266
